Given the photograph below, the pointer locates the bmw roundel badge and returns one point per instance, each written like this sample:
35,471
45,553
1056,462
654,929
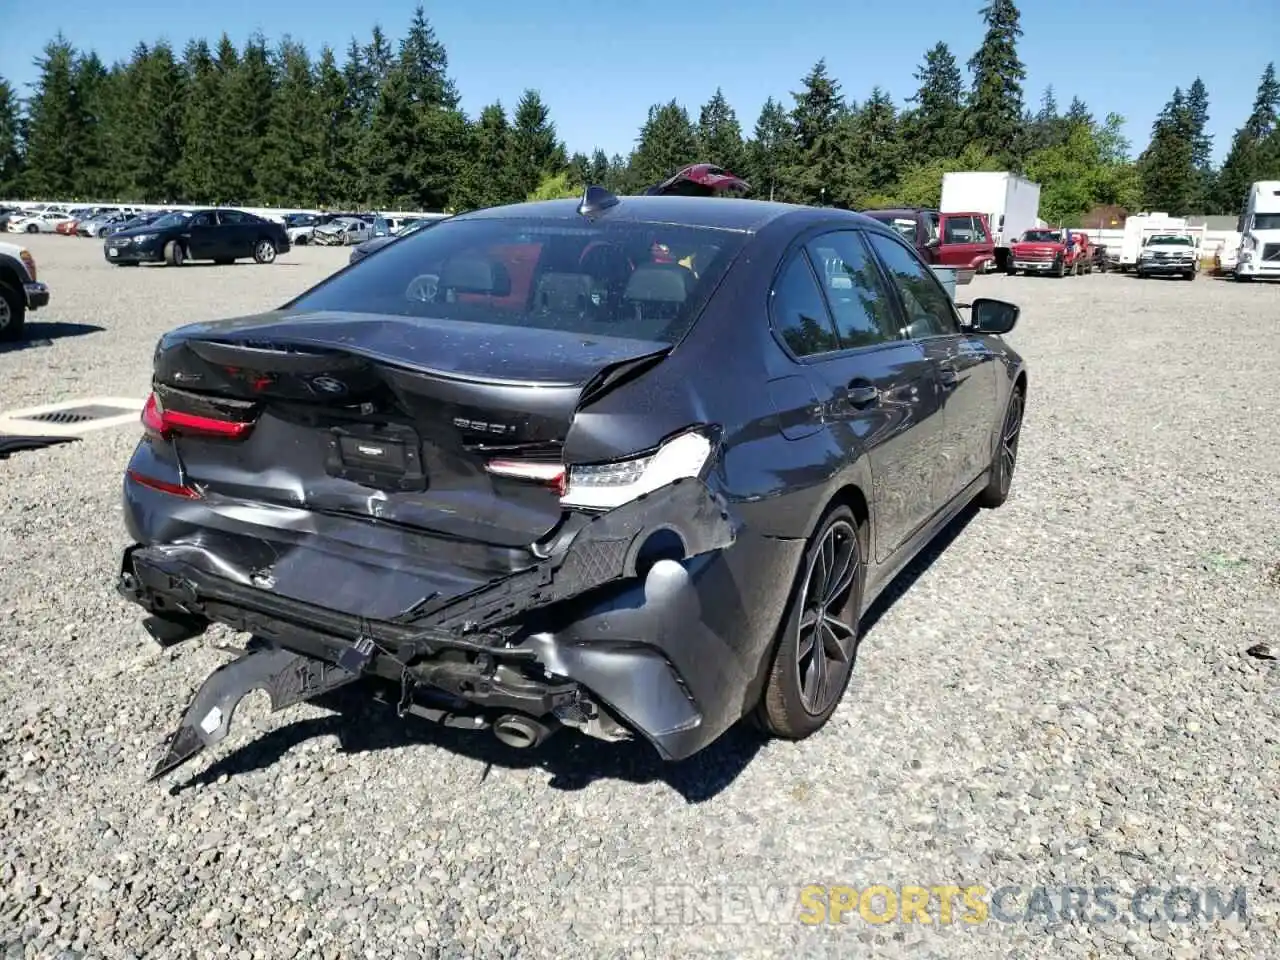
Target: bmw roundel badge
328,385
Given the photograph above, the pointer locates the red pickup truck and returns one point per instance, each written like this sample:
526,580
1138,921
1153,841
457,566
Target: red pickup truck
1055,252
961,240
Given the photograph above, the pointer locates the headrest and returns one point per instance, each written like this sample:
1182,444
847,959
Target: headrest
476,275
564,292
662,282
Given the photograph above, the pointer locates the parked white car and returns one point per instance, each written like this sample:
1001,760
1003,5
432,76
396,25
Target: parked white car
20,291
38,223
301,227
343,232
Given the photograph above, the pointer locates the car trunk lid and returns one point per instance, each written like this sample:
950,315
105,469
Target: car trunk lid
388,418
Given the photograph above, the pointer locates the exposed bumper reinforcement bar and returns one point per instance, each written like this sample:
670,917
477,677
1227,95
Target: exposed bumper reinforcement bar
312,649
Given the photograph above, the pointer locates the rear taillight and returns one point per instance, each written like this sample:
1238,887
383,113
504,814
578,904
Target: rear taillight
603,486
164,423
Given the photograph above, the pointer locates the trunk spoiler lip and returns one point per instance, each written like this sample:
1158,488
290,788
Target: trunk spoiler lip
194,340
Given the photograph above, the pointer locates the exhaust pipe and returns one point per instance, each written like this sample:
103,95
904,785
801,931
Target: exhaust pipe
519,731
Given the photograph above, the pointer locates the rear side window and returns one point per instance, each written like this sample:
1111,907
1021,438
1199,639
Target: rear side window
799,313
928,308
902,224
859,301
645,281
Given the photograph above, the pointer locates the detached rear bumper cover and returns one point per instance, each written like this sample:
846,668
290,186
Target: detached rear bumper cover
634,638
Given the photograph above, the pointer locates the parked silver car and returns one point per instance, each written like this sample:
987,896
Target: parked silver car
343,232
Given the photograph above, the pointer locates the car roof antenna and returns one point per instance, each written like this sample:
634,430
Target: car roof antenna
596,200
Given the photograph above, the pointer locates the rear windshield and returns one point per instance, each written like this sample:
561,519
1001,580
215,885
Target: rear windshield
640,280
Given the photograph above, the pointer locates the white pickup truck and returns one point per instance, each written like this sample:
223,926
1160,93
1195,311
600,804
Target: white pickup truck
20,291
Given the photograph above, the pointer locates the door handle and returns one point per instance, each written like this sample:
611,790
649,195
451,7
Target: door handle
859,393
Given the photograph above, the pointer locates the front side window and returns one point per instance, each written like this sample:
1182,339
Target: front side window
640,280
799,313
854,289
929,310
958,230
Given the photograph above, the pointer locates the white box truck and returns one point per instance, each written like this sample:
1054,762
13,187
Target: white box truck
1011,203
1260,232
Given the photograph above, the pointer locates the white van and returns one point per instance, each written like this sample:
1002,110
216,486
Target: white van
1260,232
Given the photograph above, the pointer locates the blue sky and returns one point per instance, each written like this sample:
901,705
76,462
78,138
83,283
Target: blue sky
599,65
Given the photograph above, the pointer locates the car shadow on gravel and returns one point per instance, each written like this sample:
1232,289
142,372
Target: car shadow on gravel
42,334
362,724
209,264
914,570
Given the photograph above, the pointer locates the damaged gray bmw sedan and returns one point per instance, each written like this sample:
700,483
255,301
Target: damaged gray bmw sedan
635,466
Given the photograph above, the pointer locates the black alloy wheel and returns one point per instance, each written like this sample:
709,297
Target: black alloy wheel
818,644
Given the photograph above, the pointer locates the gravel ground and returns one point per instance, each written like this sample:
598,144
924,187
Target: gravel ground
1061,697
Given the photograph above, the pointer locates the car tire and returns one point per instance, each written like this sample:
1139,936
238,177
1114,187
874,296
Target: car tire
1189,276
1060,269
827,596
174,255
264,251
13,314
1010,272
33,229
1005,460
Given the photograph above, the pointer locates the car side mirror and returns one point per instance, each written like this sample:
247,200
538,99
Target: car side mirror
933,243
993,316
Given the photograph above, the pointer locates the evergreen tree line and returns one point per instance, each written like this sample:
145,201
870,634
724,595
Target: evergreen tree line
274,126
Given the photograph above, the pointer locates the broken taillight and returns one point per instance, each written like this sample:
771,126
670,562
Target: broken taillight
603,486
164,423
